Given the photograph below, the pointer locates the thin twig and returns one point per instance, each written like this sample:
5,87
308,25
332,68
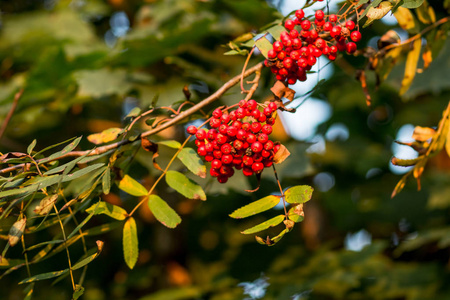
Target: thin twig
11,112
232,82
243,90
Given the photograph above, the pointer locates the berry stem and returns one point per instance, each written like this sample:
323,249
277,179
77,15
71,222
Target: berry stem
243,90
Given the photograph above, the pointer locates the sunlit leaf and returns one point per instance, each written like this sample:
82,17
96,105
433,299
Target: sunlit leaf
163,212
29,291
130,243
296,213
66,149
256,207
265,225
31,146
184,185
425,13
16,231
106,181
411,65
406,20
405,162
192,161
171,144
263,45
299,194
136,111
423,134
90,258
376,13
46,205
105,136
78,292
132,187
108,209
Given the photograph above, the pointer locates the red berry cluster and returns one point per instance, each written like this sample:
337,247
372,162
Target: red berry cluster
238,139
297,51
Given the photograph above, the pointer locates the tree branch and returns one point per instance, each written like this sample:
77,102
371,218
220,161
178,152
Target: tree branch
229,84
11,112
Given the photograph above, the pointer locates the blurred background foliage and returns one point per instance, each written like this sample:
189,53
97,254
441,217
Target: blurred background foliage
85,64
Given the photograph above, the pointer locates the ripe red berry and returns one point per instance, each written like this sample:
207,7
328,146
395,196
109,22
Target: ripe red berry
251,138
263,138
304,34
226,148
319,23
271,54
350,25
268,145
281,55
251,104
216,164
200,134
293,34
222,178
247,171
355,36
214,172
319,14
289,24
214,123
333,49
287,62
350,47
267,129
191,129
335,31
327,26
273,106
209,147
257,147
227,159
306,24
201,151
225,118
300,14
257,167
231,130
320,43
332,18
247,160
221,139
313,34
255,127
277,46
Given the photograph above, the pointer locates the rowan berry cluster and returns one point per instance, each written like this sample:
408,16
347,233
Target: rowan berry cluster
297,51
238,139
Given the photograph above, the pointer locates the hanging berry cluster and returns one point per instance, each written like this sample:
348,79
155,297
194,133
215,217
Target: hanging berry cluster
297,51
238,139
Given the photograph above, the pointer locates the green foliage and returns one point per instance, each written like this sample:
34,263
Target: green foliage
163,212
130,242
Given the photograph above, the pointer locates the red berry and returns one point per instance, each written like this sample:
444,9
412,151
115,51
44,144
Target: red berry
276,148
209,157
257,167
252,104
306,24
256,127
226,148
216,164
319,14
241,134
320,43
289,24
257,147
350,47
267,129
209,147
304,33
350,25
326,50
201,151
335,31
231,131
217,113
268,145
313,34
214,172
221,139
222,178
355,36
211,135
191,129
319,23
327,26
214,123
277,46
247,171
225,118
273,106
333,49
293,34
332,18
251,138
217,154
262,138
281,55
227,159
287,62
200,134
267,111
300,14
238,144
271,54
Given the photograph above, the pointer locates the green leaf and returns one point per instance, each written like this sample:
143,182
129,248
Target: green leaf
108,209
184,185
134,113
192,161
299,194
101,229
65,150
106,181
263,45
412,3
163,212
31,146
78,292
405,162
276,31
278,237
256,207
91,214
265,225
130,243
171,144
132,187
44,276
90,258
29,291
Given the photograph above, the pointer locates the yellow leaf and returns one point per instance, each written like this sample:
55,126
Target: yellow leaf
427,57
425,13
406,20
423,134
376,13
16,231
105,136
411,65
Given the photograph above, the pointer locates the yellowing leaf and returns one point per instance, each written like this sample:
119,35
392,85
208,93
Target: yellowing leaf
423,134
46,205
16,231
427,57
108,209
192,161
132,187
411,66
163,212
296,213
105,136
376,13
265,225
130,243
256,207
406,20
281,155
263,45
299,194
425,13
